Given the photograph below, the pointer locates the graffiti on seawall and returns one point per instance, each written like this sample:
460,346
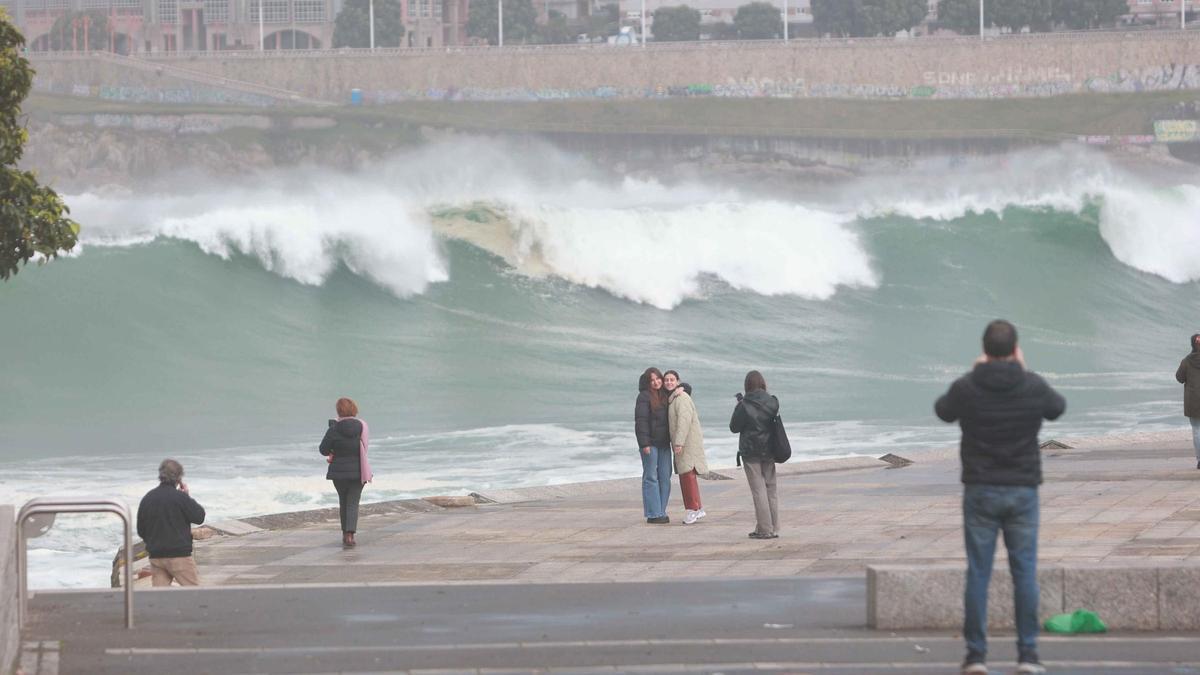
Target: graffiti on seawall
187,95
1015,82
1000,83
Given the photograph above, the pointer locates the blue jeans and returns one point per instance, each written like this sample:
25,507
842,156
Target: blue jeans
1012,509
1196,436
656,481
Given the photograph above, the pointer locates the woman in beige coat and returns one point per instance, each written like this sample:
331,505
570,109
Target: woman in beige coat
687,442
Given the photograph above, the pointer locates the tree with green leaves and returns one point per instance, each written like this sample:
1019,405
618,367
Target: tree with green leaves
836,17
758,21
604,21
1017,15
33,220
520,21
352,27
555,31
960,16
1083,14
84,31
867,18
676,24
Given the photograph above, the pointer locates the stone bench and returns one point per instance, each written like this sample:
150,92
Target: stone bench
1158,597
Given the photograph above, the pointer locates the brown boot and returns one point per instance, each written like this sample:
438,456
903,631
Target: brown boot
350,540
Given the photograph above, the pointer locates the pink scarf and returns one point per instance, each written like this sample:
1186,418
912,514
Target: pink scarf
364,465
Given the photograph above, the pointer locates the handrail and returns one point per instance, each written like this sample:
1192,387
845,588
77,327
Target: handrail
56,505
932,41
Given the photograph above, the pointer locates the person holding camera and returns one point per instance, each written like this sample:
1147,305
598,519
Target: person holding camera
753,418
1000,406
345,449
687,442
1189,376
164,521
653,432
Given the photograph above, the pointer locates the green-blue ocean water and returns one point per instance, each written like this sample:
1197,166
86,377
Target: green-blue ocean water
492,320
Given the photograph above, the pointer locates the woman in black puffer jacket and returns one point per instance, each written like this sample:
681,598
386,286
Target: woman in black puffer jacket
653,431
345,448
752,419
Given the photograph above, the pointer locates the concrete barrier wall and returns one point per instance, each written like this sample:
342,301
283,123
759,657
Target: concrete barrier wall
1126,598
957,68
10,635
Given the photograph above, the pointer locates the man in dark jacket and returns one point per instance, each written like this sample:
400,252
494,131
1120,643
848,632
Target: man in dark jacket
1189,376
1000,406
164,521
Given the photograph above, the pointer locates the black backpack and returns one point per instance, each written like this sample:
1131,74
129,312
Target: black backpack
777,442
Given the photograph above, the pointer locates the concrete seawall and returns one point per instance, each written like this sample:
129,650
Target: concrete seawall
940,68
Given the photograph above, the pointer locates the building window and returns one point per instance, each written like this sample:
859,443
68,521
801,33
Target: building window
216,11
274,11
57,4
168,12
309,11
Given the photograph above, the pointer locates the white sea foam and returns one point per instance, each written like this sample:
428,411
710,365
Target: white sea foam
559,217
638,239
658,256
298,226
1151,224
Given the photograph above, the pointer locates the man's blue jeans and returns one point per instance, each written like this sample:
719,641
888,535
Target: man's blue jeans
656,480
1013,510
1196,436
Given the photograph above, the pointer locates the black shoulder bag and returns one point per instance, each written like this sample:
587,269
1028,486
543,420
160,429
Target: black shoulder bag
777,441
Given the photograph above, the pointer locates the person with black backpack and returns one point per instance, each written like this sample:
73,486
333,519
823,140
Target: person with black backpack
754,418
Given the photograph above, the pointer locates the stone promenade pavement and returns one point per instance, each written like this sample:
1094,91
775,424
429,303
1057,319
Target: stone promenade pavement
1128,502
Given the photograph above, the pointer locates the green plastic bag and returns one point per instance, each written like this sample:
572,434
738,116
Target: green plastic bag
1079,621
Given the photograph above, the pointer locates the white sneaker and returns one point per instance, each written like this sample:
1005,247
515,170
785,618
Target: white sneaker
700,514
690,517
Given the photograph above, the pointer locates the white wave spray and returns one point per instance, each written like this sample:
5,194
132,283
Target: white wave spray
1151,223
641,239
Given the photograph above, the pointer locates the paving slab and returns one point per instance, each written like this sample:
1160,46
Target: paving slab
1133,504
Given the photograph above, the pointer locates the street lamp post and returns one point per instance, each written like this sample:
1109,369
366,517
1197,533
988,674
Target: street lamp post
371,19
785,26
980,19
262,42
500,22
643,23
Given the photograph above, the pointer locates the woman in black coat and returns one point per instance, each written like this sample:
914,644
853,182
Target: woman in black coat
345,449
653,432
1189,376
752,420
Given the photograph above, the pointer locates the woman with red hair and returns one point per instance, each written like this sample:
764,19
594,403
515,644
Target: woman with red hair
345,449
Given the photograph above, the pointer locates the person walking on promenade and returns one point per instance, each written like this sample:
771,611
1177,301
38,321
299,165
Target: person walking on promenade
345,449
1000,406
653,433
164,521
687,442
1189,376
752,419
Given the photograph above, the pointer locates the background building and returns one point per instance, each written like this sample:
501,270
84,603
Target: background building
141,26
1161,12
711,11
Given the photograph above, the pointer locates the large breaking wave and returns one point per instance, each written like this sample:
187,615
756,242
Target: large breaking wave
547,213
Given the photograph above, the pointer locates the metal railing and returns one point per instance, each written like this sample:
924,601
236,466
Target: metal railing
52,506
932,41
